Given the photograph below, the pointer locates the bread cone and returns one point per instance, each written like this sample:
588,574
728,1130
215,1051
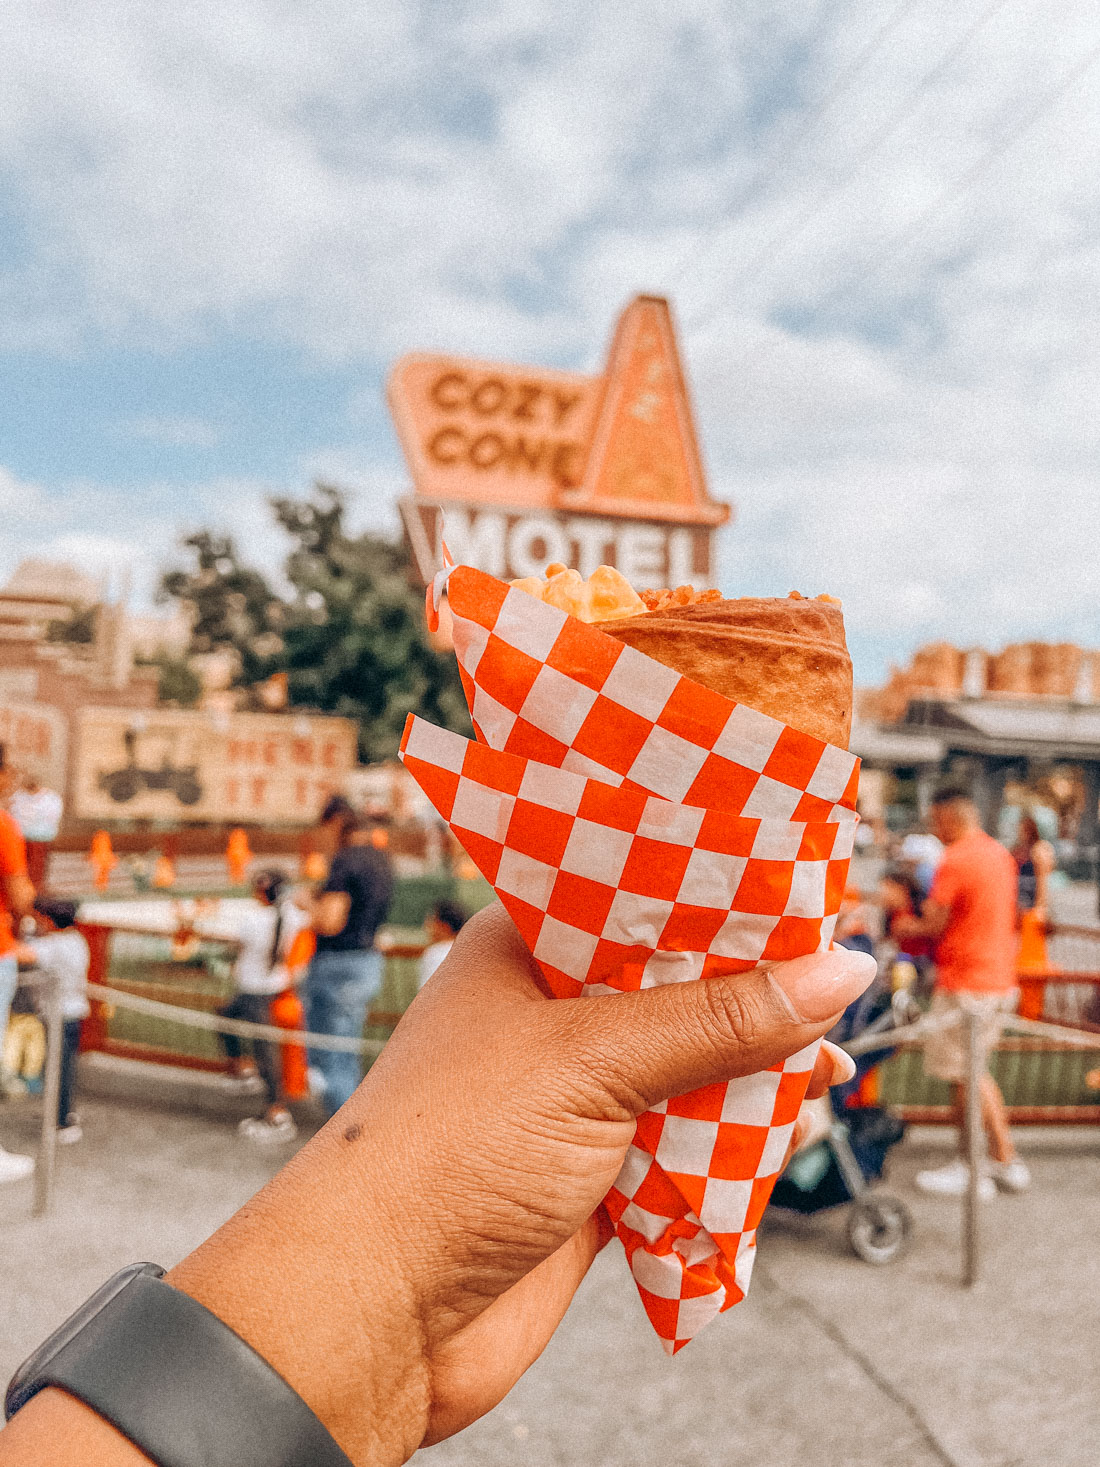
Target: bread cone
786,657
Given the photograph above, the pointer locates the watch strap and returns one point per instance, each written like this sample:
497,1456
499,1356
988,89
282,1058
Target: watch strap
184,1387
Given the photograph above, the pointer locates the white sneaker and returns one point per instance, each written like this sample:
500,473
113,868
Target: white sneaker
268,1133
70,1134
953,1180
241,1084
1011,1176
13,1167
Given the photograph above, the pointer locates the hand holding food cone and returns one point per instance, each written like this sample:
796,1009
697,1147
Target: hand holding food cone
642,829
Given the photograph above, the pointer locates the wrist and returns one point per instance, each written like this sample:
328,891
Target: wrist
301,1277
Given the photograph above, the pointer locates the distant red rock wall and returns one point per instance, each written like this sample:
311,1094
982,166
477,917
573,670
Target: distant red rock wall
1022,670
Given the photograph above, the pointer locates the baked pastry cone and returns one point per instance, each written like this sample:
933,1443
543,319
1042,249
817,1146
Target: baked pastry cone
786,657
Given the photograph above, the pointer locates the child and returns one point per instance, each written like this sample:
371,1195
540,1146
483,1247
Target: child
64,952
900,896
443,926
260,972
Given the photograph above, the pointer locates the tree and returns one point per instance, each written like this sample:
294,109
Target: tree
232,606
351,634
179,683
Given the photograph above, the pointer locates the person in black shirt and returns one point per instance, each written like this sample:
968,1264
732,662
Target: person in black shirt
346,971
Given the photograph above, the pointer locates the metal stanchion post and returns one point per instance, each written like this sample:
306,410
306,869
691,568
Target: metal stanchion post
973,1147
51,1090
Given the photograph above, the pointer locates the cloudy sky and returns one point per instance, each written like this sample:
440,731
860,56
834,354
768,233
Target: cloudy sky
878,222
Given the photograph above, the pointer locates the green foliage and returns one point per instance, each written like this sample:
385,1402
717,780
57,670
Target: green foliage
232,605
350,635
179,682
77,628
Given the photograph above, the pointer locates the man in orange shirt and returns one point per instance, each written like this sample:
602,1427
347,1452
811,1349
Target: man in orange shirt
16,898
970,914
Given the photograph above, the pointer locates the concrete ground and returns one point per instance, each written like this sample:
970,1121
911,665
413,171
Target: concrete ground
829,1362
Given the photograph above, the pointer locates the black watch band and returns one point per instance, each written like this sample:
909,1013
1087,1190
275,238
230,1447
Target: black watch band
175,1380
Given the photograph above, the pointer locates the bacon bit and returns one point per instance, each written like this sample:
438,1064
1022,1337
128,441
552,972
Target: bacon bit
681,596
824,596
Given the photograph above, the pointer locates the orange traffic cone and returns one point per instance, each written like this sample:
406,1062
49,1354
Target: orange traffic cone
102,859
286,1012
164,872
1032,956
238,855
1032,961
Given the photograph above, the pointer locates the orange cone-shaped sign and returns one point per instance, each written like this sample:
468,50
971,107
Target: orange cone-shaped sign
102,859
238,855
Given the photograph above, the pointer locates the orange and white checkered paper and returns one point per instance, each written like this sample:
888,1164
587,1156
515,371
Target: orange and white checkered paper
641,829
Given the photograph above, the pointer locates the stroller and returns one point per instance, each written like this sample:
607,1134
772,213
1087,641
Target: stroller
845,1153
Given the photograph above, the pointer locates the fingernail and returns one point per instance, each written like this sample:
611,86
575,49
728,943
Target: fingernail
821,984
844,1066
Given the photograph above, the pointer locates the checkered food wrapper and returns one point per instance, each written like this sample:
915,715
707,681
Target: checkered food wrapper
641,829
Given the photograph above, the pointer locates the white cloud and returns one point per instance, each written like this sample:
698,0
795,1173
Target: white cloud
904,410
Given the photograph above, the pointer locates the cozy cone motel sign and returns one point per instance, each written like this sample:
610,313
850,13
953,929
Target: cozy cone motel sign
519,466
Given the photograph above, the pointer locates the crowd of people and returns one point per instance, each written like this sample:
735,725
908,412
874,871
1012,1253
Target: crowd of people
318,939
946,921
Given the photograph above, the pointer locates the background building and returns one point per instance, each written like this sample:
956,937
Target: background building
1020,727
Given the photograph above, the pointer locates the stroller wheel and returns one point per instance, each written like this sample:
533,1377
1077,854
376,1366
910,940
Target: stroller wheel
878,1227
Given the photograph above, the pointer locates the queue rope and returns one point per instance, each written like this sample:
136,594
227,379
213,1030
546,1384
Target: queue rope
215,1023
864,1044
912,1033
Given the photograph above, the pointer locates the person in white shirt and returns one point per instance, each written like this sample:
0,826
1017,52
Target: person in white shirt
265,933
37,811
443,925
63,951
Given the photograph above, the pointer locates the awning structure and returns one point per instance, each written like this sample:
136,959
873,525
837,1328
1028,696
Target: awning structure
1009,727
895,746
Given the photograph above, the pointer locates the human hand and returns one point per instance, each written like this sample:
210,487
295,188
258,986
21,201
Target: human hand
415,1258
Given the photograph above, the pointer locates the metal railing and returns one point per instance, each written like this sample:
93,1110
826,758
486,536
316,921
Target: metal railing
913,1035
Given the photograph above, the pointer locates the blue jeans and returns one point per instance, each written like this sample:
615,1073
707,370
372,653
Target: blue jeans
9,979
337,992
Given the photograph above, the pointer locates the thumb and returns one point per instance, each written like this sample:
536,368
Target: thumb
645,1047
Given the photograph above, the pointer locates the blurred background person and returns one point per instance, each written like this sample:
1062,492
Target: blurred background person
1035,861
345,974
266,932
920,854
37,811
16,900
970,916
63,951
901,898
443,925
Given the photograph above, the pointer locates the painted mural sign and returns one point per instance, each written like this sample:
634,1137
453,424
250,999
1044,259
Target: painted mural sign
526,465
181,765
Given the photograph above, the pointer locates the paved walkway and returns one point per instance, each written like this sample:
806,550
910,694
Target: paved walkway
830,1362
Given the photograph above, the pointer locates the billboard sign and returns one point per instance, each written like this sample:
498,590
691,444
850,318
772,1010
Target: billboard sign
528,465
179,765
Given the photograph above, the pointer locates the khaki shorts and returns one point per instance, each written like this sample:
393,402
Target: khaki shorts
945,1051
